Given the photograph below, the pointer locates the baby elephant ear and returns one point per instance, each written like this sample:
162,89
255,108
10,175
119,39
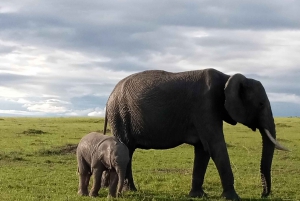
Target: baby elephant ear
233,101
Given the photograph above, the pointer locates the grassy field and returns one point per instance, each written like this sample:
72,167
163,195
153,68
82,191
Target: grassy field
37,162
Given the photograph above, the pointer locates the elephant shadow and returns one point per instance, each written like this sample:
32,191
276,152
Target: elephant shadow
147,195
262,199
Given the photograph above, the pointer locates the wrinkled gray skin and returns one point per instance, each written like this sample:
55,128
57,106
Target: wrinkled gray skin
97,153
161,110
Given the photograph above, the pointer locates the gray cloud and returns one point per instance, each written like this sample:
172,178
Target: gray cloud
10,105
6,49
7,79
285,110
89,101
120,27
75,51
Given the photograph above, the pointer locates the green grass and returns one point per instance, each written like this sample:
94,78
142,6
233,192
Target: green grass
37,162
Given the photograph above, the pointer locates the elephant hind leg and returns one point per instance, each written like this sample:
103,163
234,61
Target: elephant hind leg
105,179
113,183
129,183
200,165
83,184
97,173
84,176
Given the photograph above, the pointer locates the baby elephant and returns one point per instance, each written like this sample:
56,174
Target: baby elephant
96,153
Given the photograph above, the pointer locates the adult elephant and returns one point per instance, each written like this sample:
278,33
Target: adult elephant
160,110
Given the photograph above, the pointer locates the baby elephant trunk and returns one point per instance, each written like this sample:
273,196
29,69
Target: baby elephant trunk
121,176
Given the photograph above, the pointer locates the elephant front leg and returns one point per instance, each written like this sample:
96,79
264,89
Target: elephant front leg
97,173
200,165
220,157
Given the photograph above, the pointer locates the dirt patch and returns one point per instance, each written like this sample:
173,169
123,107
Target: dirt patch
283,140
62,150
68,149
33,132
12,156
229,145
282,125
172,170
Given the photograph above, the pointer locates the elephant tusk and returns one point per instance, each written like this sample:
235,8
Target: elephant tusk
277,145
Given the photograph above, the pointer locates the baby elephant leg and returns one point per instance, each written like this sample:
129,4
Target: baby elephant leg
113,184
97,173
84,178
105,179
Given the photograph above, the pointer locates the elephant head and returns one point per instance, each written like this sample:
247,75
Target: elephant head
246,102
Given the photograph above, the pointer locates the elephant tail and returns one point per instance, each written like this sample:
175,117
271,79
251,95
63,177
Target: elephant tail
105,122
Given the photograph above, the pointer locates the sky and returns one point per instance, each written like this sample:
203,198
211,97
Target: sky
64,57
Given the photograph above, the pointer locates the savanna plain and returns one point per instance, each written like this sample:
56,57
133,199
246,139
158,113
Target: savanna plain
38,162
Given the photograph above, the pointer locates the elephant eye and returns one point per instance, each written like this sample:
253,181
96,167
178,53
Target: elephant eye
261,104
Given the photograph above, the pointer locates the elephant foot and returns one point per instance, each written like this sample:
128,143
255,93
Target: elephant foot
128,186
230,195
83,193
94,194
109,196
197,194
119,195
265,194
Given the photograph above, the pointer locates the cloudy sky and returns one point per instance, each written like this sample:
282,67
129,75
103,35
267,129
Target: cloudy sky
63,57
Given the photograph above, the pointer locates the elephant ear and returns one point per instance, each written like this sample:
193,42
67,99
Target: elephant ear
234,90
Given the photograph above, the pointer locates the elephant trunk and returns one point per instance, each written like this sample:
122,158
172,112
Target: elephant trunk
266,161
